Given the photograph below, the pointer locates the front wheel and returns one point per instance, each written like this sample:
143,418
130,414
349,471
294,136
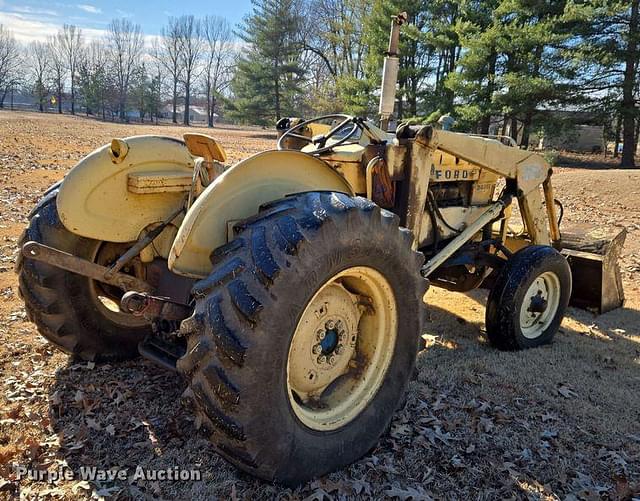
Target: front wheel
304,335
528,301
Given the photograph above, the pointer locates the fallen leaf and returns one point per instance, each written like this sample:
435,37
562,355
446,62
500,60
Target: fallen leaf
318,495
566,391
82,484
410,493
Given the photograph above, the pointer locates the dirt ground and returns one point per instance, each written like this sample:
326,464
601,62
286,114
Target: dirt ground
559,422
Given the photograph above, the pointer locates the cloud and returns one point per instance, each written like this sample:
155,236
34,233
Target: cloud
91,9
26,29
32,11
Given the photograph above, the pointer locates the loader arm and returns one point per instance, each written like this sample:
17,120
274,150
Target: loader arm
529,170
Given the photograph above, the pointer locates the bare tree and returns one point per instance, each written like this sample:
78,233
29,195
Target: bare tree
219,60
40,68
9,63
190,43
58,68
125,43
333,31
70,42
167,50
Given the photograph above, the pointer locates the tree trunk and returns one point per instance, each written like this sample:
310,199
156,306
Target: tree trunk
209,112
413,100
484,124
73,96
276,82
59,100
514,128
628,101
187,100
485,121
213,110
526,129
438,70
174,102
616,146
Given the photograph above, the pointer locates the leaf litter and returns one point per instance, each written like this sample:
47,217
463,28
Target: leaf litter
560,422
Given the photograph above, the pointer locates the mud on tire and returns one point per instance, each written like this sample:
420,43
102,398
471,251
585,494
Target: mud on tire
63,304
247,311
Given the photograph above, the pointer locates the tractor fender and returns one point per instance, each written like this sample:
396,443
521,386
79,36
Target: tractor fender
99,198
237,194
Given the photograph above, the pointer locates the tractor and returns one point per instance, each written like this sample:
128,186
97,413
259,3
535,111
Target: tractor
288,289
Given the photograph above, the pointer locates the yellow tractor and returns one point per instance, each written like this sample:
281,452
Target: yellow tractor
287,289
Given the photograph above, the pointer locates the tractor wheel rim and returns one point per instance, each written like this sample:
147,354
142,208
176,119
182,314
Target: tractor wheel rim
341,348
102,296
540,305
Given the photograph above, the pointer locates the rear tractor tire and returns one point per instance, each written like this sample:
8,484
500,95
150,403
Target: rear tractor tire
76,314
529,299
304,335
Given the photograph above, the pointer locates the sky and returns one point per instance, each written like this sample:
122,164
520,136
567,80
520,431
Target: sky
37,19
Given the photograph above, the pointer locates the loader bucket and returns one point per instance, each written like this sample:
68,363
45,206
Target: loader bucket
593,256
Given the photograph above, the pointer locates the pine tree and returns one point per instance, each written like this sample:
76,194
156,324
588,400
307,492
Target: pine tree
516,59
429,50
268,76
475,81
609,53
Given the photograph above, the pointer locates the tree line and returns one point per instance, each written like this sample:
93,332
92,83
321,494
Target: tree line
123,72
497,66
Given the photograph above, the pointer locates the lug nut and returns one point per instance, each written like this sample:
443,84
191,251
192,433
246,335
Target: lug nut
330,324
342,337
339,349
321,334
322,359
317,349
332,359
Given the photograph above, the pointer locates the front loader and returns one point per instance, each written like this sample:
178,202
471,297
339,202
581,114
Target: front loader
288,289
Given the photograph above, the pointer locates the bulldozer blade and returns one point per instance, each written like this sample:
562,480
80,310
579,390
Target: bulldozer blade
593,256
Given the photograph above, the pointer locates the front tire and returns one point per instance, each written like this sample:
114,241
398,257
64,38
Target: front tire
529,298
259,369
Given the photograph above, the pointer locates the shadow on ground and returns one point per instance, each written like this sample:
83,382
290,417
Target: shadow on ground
557,420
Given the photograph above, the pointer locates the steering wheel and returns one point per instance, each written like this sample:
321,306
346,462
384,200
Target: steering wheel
321,139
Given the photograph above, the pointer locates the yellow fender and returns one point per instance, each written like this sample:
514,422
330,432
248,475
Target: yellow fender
237,194
118,190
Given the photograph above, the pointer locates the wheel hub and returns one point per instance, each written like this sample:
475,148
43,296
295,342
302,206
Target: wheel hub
341,348
539,305
329,334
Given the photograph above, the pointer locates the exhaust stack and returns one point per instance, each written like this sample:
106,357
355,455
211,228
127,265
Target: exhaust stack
390,72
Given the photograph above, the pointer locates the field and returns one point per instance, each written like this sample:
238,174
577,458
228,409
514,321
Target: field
559,422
